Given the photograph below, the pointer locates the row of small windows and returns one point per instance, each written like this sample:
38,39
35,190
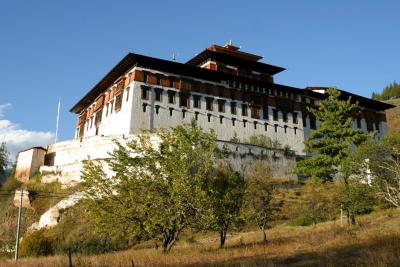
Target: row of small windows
184,102
221,118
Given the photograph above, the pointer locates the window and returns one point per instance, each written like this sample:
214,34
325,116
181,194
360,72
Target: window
196,101
111,106
284,116
171,97
127,93
359,123
144,107
266,126
221,118
233,121
158,92
209,117
170,111
275,114
145,92
313,123
196,115
265,112
118,103
221,105
285,127
157,109
183,113
244,109
209,103
377,126
98,117
294,116
244,123
144,76
276,127
295,130
221,91
184,100
304,119
233,107
255,125
255,112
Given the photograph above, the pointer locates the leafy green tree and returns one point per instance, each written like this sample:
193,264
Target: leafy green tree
332,142
157,188
225,195
259,195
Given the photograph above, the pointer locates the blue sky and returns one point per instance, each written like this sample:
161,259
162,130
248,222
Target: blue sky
51,49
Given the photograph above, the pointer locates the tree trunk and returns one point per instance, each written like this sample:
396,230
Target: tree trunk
264,236
222,238
350,217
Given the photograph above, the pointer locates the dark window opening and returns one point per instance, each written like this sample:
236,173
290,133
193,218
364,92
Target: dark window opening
255,112
275,114
158,95
170,111
304,119
266,126
118,102
171,97
276,127
285,127
145,93
313,123
233,121
184,100
285,116
221,105
233,107
196,116
157,109
209,103
209,117
127,94
221,118
295,130
377,126
183,113
144,107
221,91
294,115
244,110
196,101
255,125
244,123
265,112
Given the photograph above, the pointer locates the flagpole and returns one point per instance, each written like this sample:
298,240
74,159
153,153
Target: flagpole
58,119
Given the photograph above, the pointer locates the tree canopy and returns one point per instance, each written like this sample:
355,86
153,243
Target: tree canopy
389,92
157,186
330,144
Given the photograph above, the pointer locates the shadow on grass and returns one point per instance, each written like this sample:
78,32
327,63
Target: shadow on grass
378,252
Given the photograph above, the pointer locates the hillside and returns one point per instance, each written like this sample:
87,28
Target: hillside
393,116
374,242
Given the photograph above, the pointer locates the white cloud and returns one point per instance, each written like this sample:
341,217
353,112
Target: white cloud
18,139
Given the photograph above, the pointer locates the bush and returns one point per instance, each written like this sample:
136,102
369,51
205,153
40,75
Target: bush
35,244
301,221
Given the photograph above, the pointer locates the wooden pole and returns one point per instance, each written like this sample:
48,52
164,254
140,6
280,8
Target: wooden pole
18,226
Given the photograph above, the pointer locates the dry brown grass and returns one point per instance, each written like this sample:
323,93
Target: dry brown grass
374,242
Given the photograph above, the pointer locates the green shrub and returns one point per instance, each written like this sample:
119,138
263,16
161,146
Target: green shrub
36,244
301,221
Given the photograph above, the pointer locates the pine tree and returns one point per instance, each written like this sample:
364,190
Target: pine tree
332,142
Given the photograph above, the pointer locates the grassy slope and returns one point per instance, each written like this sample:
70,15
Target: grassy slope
393,116
374,242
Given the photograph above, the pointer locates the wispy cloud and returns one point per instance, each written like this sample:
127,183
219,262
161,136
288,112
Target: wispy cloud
3,108
17,139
